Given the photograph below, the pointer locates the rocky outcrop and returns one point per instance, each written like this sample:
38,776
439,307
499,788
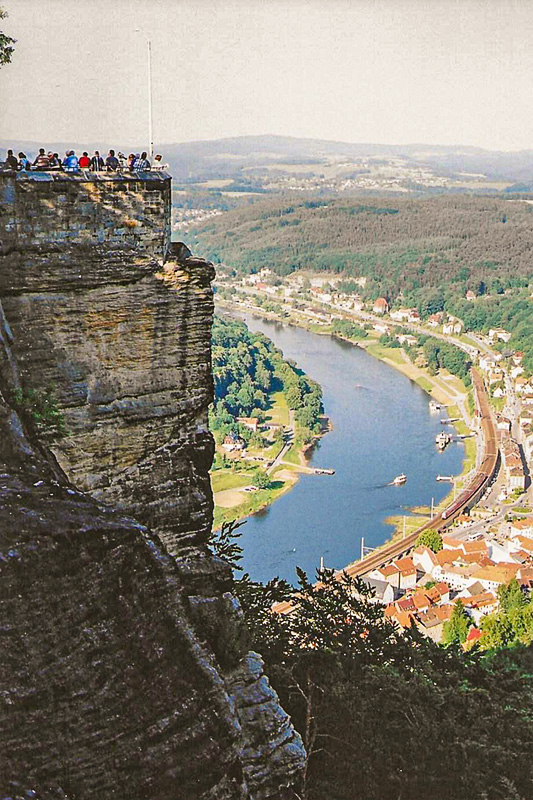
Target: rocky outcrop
123,339
127,672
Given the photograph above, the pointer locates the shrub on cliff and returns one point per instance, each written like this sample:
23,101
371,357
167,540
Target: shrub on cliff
38,408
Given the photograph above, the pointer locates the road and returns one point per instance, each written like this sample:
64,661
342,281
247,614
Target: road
289,441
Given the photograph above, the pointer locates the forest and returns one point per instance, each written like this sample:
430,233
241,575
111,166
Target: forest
424,253
390,715
247,370
400,244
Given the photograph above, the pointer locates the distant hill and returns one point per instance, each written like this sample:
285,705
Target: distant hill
204,160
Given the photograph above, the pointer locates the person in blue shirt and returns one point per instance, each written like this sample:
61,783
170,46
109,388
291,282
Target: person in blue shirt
70,162
23,161
141,163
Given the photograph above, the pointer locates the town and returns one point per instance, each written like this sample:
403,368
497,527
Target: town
490,542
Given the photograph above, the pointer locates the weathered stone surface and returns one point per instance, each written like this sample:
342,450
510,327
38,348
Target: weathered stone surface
106,689
124,339
125,671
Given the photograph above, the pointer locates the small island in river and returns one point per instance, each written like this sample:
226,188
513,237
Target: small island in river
267,414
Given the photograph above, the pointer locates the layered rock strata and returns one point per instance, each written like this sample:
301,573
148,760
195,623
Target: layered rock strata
128,673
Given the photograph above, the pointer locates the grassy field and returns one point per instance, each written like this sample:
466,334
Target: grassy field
411,524
424,383
279,413
254,502
394,354
227,479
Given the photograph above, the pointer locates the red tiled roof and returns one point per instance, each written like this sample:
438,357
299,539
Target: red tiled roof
474,635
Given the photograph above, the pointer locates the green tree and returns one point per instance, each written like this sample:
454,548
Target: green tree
261,479
294,397
510,596
497,631
430,538
6,43
457,627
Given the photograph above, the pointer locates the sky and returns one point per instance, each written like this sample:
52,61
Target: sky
383,71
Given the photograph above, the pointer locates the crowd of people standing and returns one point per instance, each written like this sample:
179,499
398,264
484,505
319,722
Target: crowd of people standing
46,162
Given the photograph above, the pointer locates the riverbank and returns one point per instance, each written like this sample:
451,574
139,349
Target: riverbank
260,460
444,388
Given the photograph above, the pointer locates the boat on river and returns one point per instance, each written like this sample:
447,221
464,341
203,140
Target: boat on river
442,440
399,480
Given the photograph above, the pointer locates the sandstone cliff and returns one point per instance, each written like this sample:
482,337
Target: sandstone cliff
128,674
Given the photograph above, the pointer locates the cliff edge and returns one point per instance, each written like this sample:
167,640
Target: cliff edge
127,673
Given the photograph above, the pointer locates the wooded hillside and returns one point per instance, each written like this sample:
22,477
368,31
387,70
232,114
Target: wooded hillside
402,244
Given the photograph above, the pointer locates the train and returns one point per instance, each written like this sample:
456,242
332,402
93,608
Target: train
487,468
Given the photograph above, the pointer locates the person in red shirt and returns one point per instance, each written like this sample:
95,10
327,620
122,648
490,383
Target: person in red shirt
85,161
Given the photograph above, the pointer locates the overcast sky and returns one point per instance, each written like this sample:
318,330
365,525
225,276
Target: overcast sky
388,71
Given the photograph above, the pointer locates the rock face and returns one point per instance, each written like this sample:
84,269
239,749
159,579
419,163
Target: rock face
127,673
124,341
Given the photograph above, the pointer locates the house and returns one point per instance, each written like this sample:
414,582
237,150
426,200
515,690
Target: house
440,593
232,443
431,623
400,314
479,605
434,320
523,386
381,327
474,635
476,547
389,574
381,306
516,478
424,559
524,545
408,573
522,527
422,602
502,423
498,392
406,338
414,316
252,423
499,333
450,542
383,591
452,326
456,576
495,575
496,375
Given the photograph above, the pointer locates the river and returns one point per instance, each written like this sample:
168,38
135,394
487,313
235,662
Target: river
382,427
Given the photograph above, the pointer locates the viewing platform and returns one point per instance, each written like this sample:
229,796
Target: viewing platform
46,212
84,176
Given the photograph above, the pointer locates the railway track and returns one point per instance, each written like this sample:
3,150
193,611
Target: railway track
466,499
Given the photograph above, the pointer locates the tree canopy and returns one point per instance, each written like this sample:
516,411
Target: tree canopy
430,538
6,43
386,714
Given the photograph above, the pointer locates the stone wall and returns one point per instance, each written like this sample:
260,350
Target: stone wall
123,339
126,672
